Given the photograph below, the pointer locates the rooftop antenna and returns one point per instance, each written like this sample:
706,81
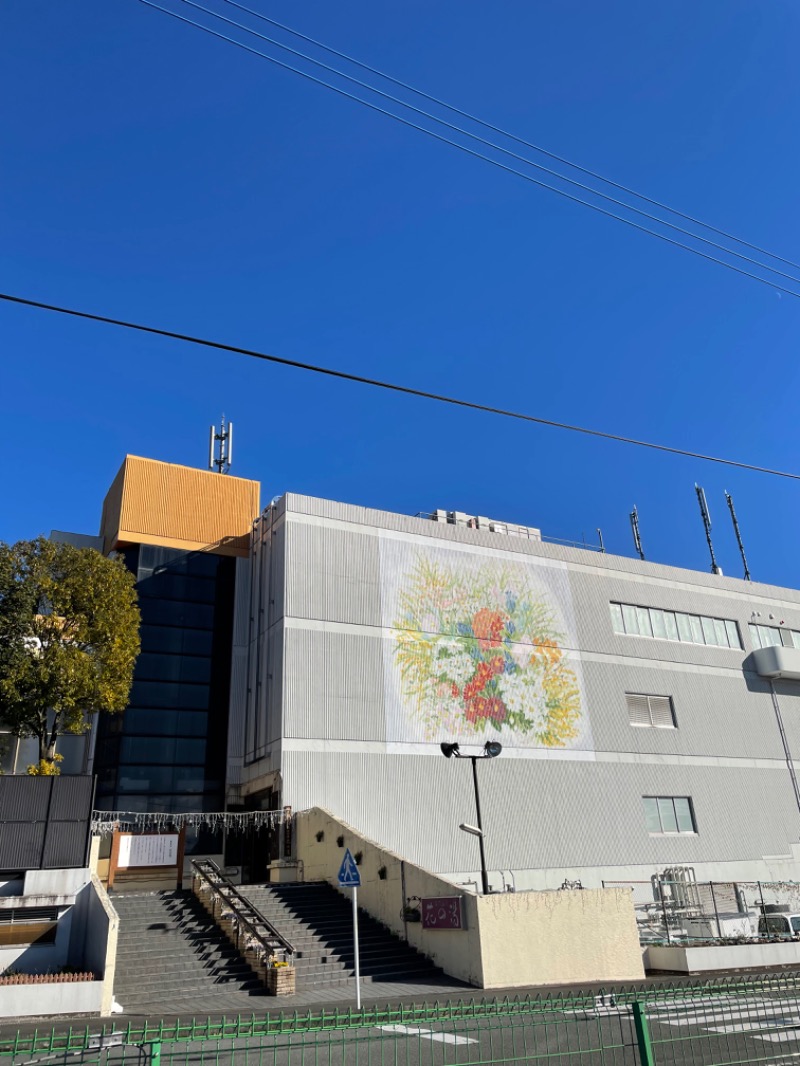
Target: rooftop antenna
637,537
220,447
737,531
701,499
600,538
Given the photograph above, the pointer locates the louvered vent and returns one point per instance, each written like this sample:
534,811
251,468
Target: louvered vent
650,710
13,915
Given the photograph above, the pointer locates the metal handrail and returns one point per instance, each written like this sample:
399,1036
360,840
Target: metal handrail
200,866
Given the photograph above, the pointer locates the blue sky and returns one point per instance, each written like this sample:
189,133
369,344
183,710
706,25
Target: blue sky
151,172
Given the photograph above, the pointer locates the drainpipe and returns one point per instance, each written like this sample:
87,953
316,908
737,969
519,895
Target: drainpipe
786,750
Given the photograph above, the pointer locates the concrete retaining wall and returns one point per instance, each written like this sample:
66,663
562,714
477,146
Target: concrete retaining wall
510,939
86,939
722,957
32,1001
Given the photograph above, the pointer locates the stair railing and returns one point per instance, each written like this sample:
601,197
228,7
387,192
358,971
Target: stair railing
244,921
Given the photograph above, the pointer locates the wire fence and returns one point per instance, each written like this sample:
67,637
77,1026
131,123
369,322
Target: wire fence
690,1024
670,909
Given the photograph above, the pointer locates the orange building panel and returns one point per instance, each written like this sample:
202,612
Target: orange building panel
151,502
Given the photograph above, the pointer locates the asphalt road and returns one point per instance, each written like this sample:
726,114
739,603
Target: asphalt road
691,1030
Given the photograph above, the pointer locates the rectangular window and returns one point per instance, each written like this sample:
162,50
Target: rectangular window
629,617
669,814
653,711
765,636
696,626
733,634
688,628
721,633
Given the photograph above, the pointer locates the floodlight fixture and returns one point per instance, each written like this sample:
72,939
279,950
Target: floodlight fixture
473,829
491,749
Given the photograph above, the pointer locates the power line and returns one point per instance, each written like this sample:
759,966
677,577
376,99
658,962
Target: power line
391,386
505,133
479,155
482,140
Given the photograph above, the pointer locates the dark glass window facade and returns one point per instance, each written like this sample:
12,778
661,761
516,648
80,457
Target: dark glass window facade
167,751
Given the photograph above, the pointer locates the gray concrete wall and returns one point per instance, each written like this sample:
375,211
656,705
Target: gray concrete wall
93,944
31,1001
321,705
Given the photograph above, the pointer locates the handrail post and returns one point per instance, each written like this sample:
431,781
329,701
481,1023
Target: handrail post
716,910
646,1057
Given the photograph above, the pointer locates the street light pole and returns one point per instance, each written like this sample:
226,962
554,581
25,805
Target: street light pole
484,873
491,750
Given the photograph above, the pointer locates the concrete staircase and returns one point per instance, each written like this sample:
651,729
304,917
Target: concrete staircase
318,922
170,950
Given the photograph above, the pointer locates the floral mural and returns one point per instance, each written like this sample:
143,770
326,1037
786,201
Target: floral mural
479,653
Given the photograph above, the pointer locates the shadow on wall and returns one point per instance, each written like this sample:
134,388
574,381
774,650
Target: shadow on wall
506,940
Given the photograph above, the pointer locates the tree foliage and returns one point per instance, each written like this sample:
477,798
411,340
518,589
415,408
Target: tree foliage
69,638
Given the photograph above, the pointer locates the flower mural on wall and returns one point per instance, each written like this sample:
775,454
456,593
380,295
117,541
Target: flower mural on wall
479,652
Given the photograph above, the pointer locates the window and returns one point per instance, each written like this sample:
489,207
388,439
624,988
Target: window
676,625
650,710
669,814
765,636
17,754
774,636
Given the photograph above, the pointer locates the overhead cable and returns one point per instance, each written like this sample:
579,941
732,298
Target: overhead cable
479,155
505,133
392,386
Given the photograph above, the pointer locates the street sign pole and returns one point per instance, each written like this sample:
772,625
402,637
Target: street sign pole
355,945
349,877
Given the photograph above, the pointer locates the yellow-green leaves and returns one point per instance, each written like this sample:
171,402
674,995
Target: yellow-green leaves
69,638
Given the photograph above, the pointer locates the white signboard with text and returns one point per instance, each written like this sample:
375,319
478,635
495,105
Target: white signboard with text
149,849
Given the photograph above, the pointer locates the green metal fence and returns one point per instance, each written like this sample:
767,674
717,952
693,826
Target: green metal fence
689,1024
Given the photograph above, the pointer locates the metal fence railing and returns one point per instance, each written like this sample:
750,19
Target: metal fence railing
683,909
726,1023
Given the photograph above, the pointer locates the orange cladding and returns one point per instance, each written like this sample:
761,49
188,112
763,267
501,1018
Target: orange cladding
151,502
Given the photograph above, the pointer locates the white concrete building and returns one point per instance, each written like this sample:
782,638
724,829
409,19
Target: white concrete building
639,728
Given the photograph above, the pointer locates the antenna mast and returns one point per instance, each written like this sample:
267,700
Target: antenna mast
637,538
220,447
736,530
701,499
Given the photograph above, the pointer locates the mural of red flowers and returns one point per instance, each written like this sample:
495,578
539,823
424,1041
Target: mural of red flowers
478,651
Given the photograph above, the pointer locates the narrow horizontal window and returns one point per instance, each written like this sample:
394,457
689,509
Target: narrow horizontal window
633,620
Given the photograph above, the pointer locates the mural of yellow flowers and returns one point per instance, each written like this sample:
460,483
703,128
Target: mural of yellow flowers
479,652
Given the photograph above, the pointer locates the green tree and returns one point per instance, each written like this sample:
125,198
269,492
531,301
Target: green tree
69,638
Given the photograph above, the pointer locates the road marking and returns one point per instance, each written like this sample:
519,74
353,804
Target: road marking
429,1034
758,1018
779,1024
405,1030
722,1015
450,1038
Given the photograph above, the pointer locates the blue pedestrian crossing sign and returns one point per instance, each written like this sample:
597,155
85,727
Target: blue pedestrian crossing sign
349,877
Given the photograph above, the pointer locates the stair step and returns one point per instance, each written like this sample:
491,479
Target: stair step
170,947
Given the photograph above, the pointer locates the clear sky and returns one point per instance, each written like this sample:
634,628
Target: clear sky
148,171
